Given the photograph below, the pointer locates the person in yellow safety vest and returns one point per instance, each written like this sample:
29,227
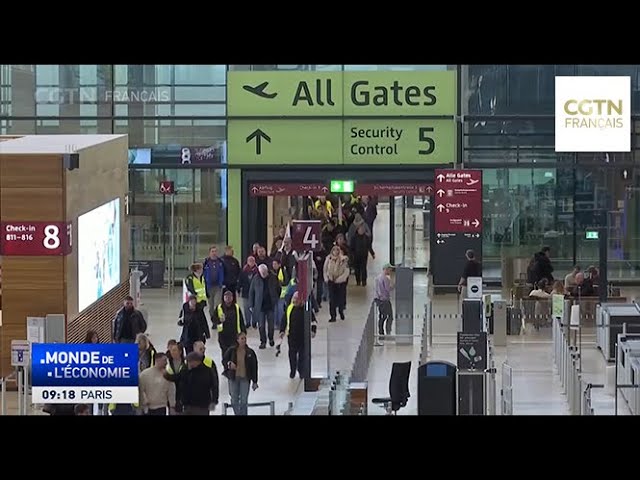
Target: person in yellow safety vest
175,364
146,352
208,362
229,321
194,324
293,327
322,200
195,283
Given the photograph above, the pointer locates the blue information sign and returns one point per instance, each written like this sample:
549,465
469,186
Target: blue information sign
84,373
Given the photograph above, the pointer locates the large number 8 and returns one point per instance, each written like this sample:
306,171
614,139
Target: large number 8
423,136
51,237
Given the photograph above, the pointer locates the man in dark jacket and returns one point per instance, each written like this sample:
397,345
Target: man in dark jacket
232,270
213,277
369,212
293,327
542,267
288,259
264,293
194,323
360,249
128,323
262,258
197,386
472,268
229,321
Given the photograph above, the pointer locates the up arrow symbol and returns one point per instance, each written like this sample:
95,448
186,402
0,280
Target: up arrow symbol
258,135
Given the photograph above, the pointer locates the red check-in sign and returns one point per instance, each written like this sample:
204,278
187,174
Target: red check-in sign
458,201
35,238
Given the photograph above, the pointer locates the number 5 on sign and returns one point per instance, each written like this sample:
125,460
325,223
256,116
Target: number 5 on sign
306,235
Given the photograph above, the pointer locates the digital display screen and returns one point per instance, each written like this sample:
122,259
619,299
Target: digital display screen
139,156
98,252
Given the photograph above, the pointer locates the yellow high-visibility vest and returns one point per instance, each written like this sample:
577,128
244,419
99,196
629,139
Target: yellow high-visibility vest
221,313
170,370
289,310
327,205
208,362
283,291
200,288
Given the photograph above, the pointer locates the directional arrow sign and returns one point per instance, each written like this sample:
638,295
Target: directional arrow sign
258,135
458,201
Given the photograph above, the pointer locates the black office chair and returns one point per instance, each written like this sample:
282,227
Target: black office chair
398,389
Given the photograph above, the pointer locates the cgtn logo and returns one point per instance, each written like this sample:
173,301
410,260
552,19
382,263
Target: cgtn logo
593,114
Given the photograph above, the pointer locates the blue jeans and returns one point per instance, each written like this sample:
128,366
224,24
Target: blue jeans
248,316
239,393
278,312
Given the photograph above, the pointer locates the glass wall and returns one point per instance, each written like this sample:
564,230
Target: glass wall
534,196
199,214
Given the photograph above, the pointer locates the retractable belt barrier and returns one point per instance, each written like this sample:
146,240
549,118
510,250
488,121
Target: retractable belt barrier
566,356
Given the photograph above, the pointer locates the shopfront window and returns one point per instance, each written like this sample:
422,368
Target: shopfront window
199,215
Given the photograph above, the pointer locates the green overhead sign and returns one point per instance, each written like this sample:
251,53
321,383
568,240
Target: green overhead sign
342,186
592,235
355,142
284,142
295,94
327,117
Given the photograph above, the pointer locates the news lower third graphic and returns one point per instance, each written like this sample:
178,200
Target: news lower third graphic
84,373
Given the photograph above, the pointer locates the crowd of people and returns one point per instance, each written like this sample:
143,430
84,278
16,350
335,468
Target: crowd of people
227,298
576,283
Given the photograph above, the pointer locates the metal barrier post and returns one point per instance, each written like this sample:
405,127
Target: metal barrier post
506,392
25,386
3,394
430,324
19,381
404,306
491,394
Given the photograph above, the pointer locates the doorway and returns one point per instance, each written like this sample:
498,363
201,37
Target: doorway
272,198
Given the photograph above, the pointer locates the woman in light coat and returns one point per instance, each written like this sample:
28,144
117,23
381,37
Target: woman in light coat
336,274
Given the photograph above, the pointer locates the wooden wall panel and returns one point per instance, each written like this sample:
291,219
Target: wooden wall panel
32,204
98,317
19,304
31,171
31,189
33,273
103,175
